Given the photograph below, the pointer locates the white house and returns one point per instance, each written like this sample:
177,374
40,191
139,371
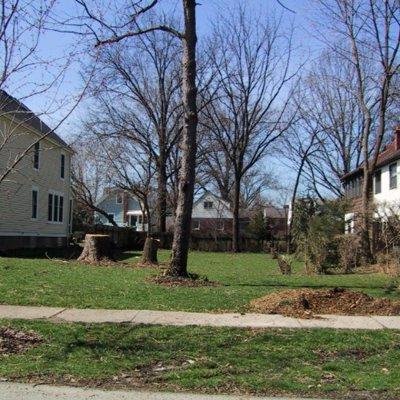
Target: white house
385,193
35,198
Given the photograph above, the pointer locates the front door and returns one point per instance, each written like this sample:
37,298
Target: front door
133,221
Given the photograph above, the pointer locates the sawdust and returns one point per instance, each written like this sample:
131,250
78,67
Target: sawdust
306,303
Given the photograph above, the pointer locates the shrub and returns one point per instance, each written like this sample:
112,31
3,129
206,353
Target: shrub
274,253
315,229
285,264
350,252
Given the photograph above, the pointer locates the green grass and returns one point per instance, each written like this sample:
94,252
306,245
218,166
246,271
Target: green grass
243,277
294,362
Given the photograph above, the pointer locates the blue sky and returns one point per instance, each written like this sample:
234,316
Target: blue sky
56,44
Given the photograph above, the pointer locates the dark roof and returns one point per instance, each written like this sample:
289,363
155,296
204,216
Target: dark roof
18,110
274,212
390,153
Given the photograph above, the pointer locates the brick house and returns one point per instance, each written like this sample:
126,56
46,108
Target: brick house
385,190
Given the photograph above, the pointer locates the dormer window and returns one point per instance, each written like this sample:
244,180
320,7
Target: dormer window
208,205
119,198
36,159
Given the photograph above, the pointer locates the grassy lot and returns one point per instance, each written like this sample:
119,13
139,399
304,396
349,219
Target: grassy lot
41,281
315,362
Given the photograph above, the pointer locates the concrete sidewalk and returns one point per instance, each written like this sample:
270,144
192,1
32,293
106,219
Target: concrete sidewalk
178,318
18,391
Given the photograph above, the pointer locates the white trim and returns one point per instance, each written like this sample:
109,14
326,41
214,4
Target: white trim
55,193
35,234
134,212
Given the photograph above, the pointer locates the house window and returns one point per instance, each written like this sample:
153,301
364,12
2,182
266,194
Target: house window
62,166
34,203
196,225
55,208
133,219
50,208
119,198
70,216
36,156
393,176
208,205
349,225
378,181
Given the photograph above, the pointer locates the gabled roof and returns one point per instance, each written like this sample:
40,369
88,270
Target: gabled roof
390,153
16,109
271,211
208,193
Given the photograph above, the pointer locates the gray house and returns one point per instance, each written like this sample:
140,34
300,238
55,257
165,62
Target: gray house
123,207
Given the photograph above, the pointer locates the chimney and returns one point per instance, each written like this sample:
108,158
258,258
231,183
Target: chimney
397,137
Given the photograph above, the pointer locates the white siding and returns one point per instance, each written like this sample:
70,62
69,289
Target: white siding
220,208
387,198
16,191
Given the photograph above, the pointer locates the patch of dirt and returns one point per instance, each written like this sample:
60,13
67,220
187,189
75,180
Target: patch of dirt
169,281
305,303
354,354
16,342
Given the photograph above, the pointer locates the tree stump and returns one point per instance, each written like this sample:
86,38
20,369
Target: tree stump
97,248
150,251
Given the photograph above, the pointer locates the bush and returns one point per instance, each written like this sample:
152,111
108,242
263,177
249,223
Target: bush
315,230
350,252
285,264
274,253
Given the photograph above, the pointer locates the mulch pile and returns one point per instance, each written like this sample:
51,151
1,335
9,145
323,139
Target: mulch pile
181,282
14,342
305,303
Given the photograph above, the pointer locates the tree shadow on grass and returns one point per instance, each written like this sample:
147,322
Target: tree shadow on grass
126,255
65,253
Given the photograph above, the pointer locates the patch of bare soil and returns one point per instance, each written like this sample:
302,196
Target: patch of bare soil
169,281
15,342
305,303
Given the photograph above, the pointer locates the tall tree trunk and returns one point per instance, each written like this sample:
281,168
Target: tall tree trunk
162,194
180,245
236,208
366,188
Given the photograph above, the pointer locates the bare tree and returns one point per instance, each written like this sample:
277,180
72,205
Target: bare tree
368,35
106,33
22,27
90,176
138,92
252,56
328,112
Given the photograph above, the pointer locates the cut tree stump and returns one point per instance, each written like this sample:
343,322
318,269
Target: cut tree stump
97,248
150,251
